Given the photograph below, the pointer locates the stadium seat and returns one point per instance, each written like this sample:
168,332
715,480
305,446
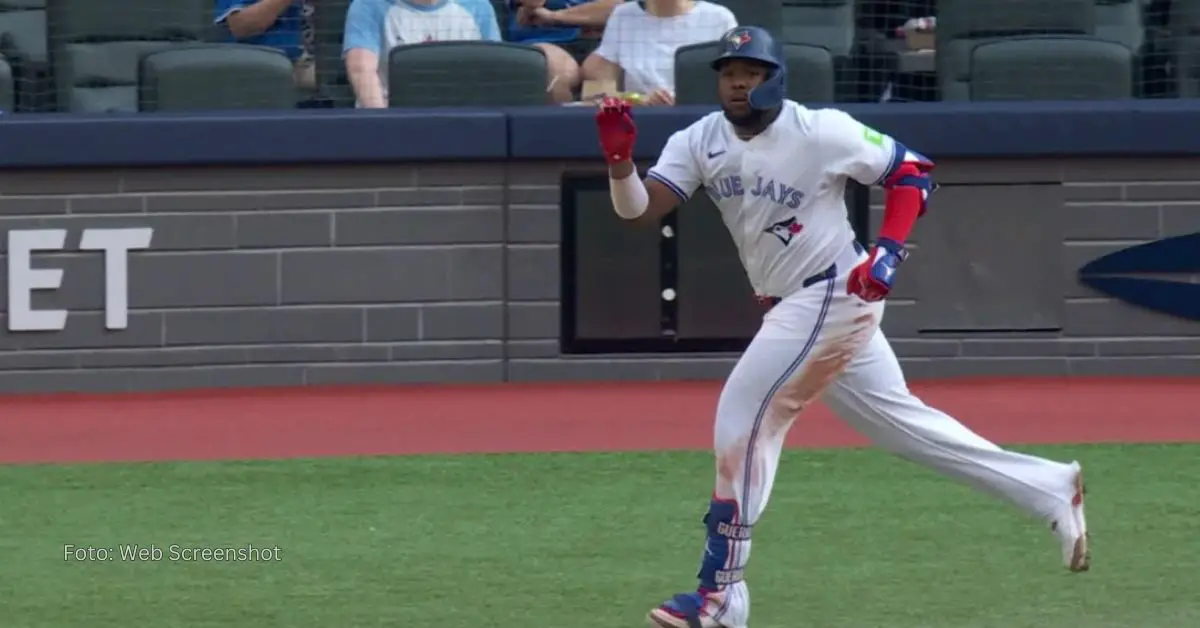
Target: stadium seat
7,91
23,44
1184,46
1051,68
329,21
466,73
825,23
215,77
810,74
1121,21
963,24
97,45
829,24
695,82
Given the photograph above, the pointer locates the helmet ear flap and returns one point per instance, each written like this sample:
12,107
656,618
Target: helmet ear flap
770,93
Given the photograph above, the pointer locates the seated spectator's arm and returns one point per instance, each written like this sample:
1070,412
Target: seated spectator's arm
362,43
604,64
362,68
247,19
597,68
594,13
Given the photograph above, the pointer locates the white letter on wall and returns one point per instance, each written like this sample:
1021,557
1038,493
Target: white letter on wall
116,244
23,279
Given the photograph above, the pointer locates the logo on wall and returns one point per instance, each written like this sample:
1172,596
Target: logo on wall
1180,255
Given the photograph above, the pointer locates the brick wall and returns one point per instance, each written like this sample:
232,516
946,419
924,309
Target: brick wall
449,272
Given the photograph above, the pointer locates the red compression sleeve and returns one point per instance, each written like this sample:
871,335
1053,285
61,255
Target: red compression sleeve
901,206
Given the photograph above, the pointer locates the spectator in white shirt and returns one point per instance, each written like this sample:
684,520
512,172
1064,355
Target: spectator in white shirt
641,38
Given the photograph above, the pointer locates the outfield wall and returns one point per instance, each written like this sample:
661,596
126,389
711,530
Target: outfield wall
331,247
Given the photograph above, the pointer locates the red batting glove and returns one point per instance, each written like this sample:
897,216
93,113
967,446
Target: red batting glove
617,131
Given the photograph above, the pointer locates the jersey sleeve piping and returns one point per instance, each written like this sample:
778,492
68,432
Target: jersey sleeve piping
669,183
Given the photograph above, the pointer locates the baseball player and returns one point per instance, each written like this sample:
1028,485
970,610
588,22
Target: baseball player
777,171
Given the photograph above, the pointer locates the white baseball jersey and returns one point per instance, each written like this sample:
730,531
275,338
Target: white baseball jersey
782,193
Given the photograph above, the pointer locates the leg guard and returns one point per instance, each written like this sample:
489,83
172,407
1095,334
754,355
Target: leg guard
726,549
722,598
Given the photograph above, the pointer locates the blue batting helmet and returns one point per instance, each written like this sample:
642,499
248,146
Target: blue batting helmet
756,44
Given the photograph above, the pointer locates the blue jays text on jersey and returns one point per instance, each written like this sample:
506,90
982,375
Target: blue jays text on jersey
731,186
805,160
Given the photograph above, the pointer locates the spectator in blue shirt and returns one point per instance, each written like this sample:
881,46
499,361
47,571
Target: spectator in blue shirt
567,31
373,27
283,24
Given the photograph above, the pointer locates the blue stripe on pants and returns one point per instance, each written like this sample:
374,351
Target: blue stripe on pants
762,412
766,403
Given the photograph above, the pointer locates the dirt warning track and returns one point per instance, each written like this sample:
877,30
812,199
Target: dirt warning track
287,423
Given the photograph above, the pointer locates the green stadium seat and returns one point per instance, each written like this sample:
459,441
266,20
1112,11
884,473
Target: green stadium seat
7,92
329,21
810,74
23,26
23,44
96,46
963,24
466,74
216,77
695,82
1121,21
1183,46
829,24
1051,68
825,23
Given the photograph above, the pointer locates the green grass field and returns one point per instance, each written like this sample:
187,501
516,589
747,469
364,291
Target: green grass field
853,538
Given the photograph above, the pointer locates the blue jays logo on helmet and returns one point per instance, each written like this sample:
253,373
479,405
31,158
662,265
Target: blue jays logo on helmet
738,38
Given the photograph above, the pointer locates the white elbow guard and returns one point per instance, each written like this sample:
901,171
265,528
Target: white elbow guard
629,196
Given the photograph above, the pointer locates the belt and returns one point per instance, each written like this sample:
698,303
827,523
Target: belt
828,273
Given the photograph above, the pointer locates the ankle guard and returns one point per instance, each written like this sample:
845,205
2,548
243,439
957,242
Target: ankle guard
727,546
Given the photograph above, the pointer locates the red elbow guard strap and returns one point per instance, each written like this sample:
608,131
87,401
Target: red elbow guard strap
905,193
